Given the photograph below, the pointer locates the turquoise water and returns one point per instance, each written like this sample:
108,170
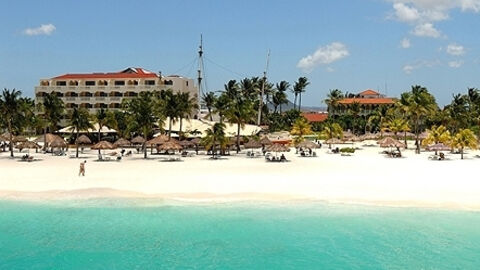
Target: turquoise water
120,234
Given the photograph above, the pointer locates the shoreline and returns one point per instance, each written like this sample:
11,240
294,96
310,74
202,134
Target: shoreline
53,196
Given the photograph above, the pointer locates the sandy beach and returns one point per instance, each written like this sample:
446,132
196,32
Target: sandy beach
367,177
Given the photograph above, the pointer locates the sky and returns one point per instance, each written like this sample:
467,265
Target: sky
351,45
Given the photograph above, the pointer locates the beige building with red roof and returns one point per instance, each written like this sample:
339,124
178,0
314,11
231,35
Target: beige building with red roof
368,100
93,91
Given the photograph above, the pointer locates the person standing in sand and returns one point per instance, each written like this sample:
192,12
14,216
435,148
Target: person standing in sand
82,168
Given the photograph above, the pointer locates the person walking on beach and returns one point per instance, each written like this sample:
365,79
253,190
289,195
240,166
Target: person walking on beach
82,168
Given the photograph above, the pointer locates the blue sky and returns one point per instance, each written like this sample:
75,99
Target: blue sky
351,45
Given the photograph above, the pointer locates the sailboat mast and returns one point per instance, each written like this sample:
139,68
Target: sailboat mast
200,66
264,81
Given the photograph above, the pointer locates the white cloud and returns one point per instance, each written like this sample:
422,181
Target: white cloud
405,13
323,55
44,29
426,30
409,68
455,64
405,43
454,49
330,69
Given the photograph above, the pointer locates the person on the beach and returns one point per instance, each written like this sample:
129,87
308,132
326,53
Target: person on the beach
82,168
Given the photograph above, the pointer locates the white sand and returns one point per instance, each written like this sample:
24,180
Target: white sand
366,177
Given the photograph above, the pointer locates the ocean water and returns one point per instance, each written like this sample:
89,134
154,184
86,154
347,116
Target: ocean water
142,234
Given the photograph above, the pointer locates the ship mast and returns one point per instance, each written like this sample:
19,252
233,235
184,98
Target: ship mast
264,82
200,72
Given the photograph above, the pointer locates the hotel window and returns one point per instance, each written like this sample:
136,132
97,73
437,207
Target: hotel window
90,83
61,83
186,83
118,83
149,82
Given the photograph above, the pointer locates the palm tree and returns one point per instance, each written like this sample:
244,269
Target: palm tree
101,117
79,120
214,136
299,88
397,125
186,107
171,105
354,111
300,128
241,112
420,105
380,115
465,138
436,135
332,100
331,130
222,103
53,110
209,100
281,95
10,109
143,114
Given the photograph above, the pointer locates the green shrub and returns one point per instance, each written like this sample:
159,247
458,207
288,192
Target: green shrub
350,150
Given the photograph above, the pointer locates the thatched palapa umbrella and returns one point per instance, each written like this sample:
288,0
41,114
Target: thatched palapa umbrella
186,143
390,142
438,147
276,147
28,145
19,139
252,144
138,140
171,145
158,140
103,145
83,139
122,142
307,144
265,141
58,142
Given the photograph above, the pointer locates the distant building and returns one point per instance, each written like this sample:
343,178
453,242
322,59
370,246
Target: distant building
313,117
93,91
368,100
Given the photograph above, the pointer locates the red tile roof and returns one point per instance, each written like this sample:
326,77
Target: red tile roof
127,73
368,92
315,117
367,100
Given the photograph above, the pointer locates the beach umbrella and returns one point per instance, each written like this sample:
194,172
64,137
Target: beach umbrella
276,147
265,141
83,139
28,145
307,144
253,144
438,147
103,145
186,143
58,142
158,140
197,141
138,140
3,138
423,135
122,142
18,139
171,145
390,142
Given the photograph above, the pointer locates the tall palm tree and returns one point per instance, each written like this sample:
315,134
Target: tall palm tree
281,96
300,128
332,100
101,118
10,109
465,138
380,116
53,110
209,100
143,115
186,107
420,105
171,105
79,120
241,112
222,103
214,136
299,88
354,111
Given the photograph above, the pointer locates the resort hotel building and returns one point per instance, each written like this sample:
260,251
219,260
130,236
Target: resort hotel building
93,91
368,101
